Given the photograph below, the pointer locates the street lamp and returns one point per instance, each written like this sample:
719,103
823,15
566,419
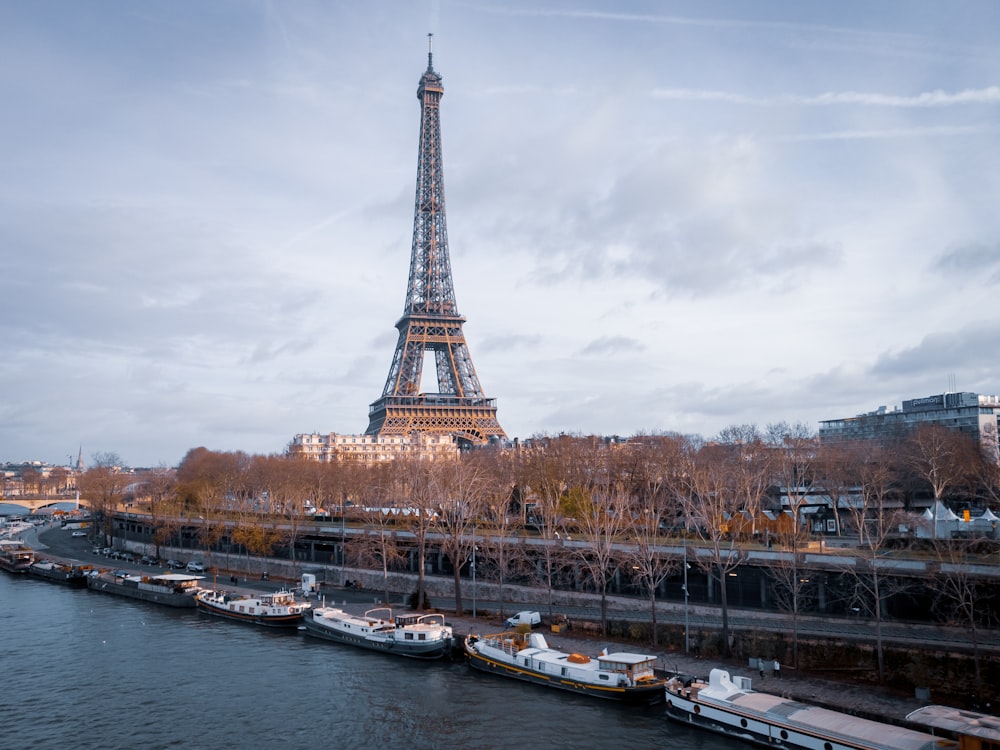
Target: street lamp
687,640
474,572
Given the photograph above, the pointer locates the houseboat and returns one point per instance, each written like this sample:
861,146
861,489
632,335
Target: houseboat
418,636
169,589
59,572
727,705
277,610
526,656
15,557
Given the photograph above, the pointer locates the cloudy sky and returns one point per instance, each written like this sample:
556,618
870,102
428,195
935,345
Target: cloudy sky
663,216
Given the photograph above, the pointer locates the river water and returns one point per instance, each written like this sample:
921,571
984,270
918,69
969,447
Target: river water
87,670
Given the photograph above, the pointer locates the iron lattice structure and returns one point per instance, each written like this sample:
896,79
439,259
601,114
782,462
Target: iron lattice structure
431,322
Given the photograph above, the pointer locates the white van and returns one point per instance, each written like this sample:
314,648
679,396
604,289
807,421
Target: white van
534,619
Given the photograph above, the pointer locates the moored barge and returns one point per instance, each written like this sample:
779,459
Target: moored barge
622,676
15,557
277,610
58,572
415,635
728,706
169,589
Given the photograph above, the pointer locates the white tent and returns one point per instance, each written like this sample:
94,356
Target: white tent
939,522
982,525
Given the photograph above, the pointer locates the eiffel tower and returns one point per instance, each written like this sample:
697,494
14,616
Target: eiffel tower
430,321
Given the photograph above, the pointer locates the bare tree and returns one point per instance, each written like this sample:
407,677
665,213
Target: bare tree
463,501
793,455
877,518
601,521
104,484
419,491
500,554
544,469
379,545
722,480
943,458
283,483
657,485
963,598
161,492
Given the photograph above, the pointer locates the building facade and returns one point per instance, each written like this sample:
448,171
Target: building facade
373,448
973,414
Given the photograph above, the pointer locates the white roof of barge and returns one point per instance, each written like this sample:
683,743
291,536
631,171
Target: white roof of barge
970,723
776,709
177,577
835,723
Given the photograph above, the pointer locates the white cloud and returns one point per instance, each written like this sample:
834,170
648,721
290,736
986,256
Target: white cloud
938,98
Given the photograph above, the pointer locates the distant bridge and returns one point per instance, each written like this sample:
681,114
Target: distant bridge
36,503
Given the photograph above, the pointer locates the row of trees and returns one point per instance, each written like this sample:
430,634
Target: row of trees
583,509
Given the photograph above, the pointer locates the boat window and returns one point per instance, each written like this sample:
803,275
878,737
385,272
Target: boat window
605,677
423,637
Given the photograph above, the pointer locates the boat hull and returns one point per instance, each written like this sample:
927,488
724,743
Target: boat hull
268,621
639,695
428,650
64,575
16,567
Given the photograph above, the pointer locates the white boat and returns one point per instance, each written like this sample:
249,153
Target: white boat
15,557
729,706
621,676
277,610
418,636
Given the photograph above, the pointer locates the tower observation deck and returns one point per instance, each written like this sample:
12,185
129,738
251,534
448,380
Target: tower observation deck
430,321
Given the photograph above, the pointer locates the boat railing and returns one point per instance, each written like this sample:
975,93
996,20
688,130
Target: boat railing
431,620
379,614
509,642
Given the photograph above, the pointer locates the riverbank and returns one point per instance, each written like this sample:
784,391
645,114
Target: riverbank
847,694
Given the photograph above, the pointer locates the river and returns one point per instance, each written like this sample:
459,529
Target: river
89,670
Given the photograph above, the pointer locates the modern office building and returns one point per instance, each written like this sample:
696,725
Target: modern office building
971,413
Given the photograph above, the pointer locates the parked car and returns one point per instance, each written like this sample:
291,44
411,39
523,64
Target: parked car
175,564
196,566
79,533
534,619
106,551
149,560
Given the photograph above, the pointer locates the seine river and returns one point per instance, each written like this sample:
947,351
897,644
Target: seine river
88,670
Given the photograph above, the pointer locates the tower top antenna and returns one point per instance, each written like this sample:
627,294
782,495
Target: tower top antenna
430,52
